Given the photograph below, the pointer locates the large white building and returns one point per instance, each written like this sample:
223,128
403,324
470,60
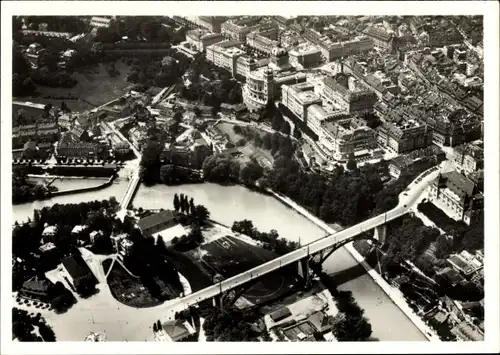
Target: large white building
225,54
346,138
238,29
343,92
298,98
101,21
262,41
258,89
305,56
263,85
200,39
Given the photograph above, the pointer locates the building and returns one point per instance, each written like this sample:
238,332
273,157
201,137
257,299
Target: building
258,89
343,94
82,150
465,263
332,50
298,97
245,64
76,270
451,275
279,60
347,138
469,157
49,233
452,128
263,86
122,148
381,39
101,21
404,137
177,330
322,322
468,332
37,288
225,54
157,222
201,39
238,29
305,56
457,195
210,23
261,41
416,161
138,137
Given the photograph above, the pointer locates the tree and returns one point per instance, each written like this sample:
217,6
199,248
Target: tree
352,328
181,202
351,164
185,204
192,207
197,111
202,214
296,133
177,204
195,234
160,244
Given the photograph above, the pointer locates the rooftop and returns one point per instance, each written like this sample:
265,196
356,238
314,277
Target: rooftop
76,266
155,219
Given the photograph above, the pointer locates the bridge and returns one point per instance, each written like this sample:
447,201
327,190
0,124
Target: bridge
317,251
302,257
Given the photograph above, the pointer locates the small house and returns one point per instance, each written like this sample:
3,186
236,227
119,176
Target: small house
36,288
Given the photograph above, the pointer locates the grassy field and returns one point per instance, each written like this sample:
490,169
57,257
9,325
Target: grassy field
229,256
249,150
95,87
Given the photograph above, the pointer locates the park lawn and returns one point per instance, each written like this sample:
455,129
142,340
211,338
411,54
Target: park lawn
94,88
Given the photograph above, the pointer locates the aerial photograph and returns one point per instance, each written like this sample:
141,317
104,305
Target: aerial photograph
247,178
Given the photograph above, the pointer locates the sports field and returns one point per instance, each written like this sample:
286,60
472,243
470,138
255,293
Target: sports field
229,256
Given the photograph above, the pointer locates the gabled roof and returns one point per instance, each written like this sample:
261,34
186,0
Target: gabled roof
155,219
178,329
76,266
36,284
320,321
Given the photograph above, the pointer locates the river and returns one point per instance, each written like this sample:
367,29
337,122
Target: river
230,203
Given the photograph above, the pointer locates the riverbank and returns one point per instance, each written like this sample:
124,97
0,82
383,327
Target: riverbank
394,294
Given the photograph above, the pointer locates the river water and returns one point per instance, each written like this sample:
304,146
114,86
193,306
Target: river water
231,203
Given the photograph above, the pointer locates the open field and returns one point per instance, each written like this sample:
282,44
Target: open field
95,87
230,256
249,150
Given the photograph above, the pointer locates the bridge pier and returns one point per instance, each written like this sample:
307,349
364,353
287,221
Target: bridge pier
303,270
380,233
217,301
